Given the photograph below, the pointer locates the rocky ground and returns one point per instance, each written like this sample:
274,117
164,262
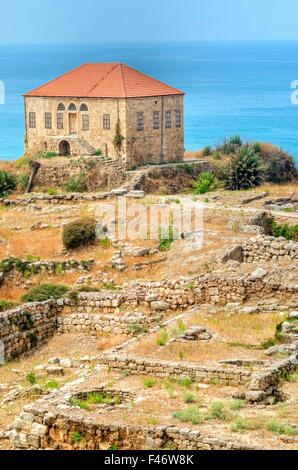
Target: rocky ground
206,335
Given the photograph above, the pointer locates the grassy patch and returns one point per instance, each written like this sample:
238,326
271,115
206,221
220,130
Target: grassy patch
191,414
162,338
281,429
149,383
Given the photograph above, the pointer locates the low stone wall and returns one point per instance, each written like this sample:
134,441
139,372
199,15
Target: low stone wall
210,288
13,265
97,172
24,328
160,368
261,248
265,384
92,323
44,427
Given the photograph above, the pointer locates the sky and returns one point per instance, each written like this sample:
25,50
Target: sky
97,21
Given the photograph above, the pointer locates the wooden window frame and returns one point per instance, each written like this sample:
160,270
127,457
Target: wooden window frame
178,119
85,122
140,121
60,121
48,120
156,120
32,120
168,120
106,122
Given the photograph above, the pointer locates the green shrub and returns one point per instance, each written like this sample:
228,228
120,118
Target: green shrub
6,305
218,411
280,166
79,233
8,183
290,232
51,384
76,438
206,182
281,429
189,398
31,378
240,425
45,292
52,192
245,170
231,145
162,338
48,155
185,382
207,151
137,329
76,184
189,415
98,152
23,181
149,383
236,404
167,237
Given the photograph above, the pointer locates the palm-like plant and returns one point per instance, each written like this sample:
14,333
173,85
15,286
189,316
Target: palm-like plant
245,169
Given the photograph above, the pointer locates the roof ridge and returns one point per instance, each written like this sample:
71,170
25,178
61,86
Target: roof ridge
114,66
54,79
152,78
122,78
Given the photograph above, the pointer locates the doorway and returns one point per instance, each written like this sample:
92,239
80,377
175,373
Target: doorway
72,123
64,148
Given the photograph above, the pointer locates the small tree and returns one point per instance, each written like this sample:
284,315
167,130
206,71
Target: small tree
245,170
8,183
79,233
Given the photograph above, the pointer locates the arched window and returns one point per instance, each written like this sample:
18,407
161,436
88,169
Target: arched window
84,107
61,107
72,107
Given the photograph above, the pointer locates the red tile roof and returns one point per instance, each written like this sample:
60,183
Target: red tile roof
104,81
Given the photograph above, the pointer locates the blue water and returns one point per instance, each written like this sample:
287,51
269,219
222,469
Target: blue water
231,88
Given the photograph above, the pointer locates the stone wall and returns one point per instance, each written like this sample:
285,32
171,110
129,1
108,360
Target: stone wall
139,147
99,138
24,328
160,368
11,266
155,298
42,426
97,173
268,248
215,289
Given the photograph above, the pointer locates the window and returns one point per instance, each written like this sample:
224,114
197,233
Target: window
140,121
156,123
72,107
60,121
61,107
85,122
48,120
178,118
84,107
106,121
168,119
32,120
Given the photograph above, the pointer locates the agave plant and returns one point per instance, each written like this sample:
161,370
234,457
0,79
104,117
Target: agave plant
245,169
8,183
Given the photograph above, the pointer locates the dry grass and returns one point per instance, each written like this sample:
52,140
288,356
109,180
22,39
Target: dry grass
238,336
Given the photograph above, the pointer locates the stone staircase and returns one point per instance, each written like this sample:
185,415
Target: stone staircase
85,147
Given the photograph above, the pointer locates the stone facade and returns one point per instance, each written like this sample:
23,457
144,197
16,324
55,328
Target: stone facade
165,144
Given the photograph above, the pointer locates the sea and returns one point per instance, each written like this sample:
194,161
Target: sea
231,88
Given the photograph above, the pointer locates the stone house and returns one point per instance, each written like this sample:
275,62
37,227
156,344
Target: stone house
110,107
